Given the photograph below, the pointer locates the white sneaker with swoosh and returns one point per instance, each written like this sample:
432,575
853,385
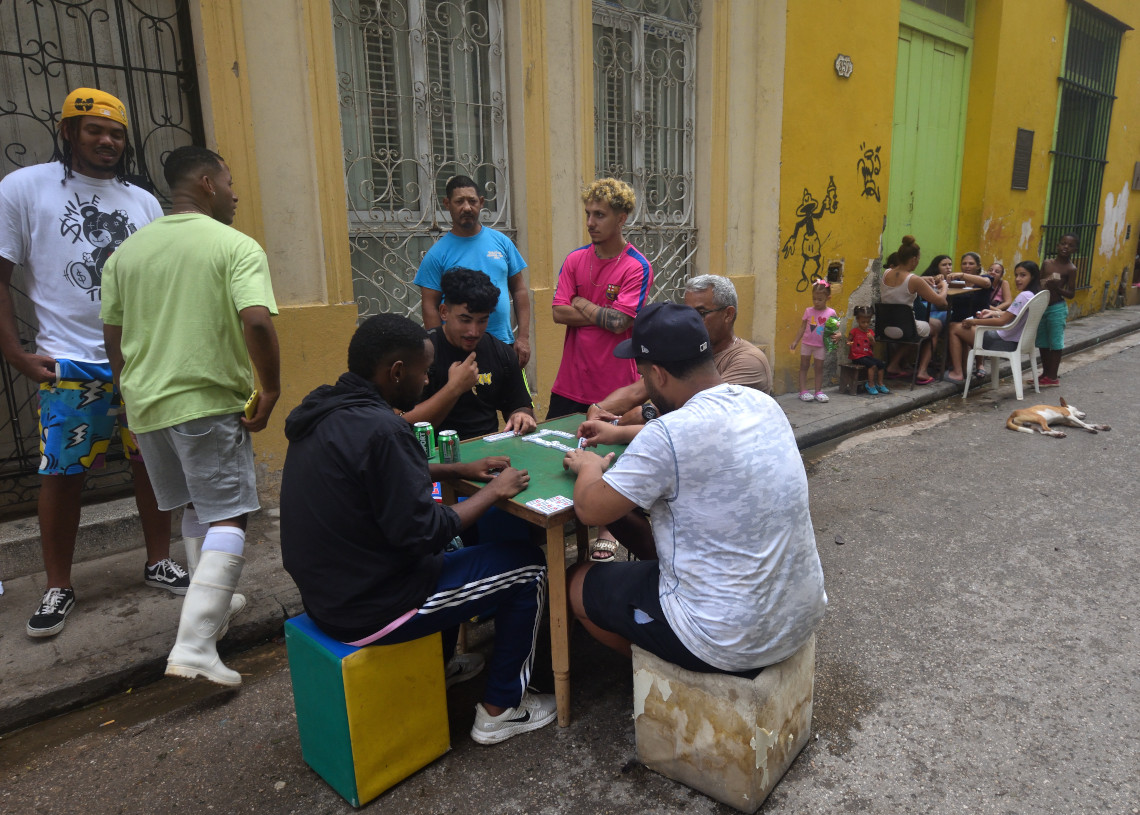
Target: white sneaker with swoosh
534,711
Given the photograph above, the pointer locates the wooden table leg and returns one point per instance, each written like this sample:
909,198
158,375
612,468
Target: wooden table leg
582,535
559,624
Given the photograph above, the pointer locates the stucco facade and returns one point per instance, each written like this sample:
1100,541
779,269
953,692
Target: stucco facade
792,157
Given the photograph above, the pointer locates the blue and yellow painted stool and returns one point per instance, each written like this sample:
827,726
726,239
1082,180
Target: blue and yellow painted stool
368,717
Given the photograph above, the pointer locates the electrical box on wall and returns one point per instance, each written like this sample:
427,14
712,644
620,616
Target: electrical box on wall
835,271
1136,177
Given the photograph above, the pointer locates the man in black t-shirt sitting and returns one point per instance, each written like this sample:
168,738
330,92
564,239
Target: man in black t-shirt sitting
475,375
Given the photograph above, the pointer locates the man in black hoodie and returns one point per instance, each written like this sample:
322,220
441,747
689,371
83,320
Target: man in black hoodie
364,541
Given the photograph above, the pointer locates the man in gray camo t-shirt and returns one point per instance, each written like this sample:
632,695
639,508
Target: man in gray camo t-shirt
729,578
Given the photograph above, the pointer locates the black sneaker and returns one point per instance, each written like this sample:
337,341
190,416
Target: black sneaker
166,574
54,608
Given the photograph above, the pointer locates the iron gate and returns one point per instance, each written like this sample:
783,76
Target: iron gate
422,98
645,126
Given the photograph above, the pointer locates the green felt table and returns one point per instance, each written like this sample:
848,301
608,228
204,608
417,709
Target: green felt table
544,464
547,479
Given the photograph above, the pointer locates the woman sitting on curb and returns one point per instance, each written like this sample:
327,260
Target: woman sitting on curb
1027,278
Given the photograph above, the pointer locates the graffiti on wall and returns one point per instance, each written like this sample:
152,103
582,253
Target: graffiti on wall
869,167
805,237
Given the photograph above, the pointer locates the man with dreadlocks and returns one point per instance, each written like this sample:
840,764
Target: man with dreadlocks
61,221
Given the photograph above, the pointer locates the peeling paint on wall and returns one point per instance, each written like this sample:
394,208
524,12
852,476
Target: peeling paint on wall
1026,235
1115,212
865,294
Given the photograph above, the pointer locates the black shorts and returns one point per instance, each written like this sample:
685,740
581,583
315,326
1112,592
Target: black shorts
561,406
869,362
613,592
992,342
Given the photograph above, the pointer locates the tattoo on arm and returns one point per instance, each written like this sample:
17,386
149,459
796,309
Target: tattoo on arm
611,319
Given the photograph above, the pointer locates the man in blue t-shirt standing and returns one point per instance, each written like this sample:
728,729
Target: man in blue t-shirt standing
489,251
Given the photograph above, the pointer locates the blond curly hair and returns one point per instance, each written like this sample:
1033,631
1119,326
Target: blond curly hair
613,191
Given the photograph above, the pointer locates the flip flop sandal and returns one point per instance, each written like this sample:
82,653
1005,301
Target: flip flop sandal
603,550
898,374
924,380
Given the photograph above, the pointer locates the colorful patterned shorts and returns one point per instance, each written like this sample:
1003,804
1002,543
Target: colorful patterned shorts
78,413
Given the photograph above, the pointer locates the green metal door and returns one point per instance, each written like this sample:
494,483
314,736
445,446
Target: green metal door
927,142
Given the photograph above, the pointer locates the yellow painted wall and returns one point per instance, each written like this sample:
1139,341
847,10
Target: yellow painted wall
1118,238
740,78
551,121
314,351
1018,50
773,119
284,151
1015,61
828,123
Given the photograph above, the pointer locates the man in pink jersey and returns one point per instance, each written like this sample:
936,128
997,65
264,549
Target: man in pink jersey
600,289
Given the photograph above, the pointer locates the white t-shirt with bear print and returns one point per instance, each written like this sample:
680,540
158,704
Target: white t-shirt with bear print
62,234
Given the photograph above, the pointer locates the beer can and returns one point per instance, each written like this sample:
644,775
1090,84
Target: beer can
448,447
425,435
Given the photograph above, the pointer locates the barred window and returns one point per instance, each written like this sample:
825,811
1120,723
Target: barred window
644,125
422,99
1088,84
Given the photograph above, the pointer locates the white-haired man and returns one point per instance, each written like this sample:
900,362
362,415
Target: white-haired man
738,361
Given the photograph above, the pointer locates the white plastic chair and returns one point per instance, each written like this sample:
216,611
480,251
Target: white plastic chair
1029,317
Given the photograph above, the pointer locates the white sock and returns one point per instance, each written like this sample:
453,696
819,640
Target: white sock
191,526
228,539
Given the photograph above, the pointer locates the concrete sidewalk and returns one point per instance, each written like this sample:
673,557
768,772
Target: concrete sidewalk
120,631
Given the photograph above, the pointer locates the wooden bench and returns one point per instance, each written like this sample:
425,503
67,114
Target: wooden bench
367,717
728,737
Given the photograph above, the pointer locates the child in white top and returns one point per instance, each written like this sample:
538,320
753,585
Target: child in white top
814,316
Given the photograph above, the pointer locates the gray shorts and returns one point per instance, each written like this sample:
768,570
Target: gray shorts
208,461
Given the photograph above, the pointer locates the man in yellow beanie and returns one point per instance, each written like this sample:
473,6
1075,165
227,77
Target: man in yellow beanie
61,221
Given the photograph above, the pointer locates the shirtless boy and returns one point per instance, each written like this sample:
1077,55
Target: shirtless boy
1059,278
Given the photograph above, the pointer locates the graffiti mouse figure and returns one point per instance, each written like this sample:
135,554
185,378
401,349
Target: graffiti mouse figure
808,213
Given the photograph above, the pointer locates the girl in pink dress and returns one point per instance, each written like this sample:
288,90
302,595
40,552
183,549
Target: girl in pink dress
812,348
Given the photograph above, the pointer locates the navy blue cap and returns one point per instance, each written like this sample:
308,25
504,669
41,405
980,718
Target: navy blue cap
665,332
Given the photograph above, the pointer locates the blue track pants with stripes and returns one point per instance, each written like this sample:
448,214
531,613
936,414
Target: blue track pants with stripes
506,580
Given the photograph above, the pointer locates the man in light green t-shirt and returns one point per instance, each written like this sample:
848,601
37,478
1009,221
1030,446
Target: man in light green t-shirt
187,304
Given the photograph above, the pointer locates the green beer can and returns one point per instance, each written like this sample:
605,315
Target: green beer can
448,447
425,435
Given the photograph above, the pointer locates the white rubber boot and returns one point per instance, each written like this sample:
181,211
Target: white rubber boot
193,554
204,611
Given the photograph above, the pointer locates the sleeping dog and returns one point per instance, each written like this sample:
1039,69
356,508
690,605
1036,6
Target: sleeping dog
1038,418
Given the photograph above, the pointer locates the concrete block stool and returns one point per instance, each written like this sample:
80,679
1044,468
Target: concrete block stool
368,717
728,737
